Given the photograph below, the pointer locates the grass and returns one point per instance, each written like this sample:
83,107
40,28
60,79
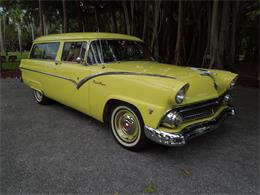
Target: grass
150,188
13,65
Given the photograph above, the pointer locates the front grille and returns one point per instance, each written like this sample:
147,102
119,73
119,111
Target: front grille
206,126
200,110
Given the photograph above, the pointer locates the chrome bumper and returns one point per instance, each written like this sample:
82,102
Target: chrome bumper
189,132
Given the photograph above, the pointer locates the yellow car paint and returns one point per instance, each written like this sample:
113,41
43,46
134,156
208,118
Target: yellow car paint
60,81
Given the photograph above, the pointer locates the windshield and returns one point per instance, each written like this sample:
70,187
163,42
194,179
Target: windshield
105,51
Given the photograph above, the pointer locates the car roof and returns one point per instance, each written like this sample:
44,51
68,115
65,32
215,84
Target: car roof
86,36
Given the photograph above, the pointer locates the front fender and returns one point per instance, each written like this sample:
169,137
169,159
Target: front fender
151,96
225,78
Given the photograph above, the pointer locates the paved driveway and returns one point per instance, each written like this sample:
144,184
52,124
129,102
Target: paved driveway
54,149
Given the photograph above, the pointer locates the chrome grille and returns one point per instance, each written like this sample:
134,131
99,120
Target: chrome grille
199,110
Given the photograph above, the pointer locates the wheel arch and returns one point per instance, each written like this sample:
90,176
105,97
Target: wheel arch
107,111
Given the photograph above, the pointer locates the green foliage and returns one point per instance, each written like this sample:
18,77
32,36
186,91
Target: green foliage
154,21
13,65
150,188
249,31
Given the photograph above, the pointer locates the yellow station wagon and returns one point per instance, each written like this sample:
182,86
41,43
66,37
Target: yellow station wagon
113,78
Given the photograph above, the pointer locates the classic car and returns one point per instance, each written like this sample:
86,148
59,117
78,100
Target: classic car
114,79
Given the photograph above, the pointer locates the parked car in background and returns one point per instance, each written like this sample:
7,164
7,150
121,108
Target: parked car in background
113,78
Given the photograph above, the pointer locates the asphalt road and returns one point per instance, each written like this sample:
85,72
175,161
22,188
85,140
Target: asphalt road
54,149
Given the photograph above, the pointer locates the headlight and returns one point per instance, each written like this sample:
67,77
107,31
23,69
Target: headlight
233,83
180,96
172,119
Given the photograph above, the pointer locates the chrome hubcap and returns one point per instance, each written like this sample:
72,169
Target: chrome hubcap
38,95
126,125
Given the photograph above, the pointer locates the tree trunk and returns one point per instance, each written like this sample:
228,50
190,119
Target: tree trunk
40,17
206,56
165,32
145,19
1,45
32,30
96,18
169,34
60,29
4,27
214,35
132,17
45,27
65,24
156,25
1,39
19,36
192,47
224,35
79,15
127,23
177,56
234,28
113,25
84,22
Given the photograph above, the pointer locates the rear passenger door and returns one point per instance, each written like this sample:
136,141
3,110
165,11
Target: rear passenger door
72,68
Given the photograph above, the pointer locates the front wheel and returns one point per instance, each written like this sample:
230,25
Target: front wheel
39,97
128,127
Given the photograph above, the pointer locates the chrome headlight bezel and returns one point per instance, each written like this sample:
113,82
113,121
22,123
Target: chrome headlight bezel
180,96
233,83
227,99
172,119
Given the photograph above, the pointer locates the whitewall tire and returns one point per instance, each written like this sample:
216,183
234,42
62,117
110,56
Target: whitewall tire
128,127
39,97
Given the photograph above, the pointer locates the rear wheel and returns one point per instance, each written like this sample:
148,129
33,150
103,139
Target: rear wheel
128,127
39,97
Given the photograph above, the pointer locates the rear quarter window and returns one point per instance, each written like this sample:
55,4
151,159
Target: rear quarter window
44,51
73,50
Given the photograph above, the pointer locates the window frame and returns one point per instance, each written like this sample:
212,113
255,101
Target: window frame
75,41
41,59
92,40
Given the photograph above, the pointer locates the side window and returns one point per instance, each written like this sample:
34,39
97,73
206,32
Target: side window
99,52
51,50
73,50
45,51
37,51
94,53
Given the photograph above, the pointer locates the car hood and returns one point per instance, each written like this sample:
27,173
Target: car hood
201,86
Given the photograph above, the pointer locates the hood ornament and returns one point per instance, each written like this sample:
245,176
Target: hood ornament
204,72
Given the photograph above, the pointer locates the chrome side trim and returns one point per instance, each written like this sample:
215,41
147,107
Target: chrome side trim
86,79
49,74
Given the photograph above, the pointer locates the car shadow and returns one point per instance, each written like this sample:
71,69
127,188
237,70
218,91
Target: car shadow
197,145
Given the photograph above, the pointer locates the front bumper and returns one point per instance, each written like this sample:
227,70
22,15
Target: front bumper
189,132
